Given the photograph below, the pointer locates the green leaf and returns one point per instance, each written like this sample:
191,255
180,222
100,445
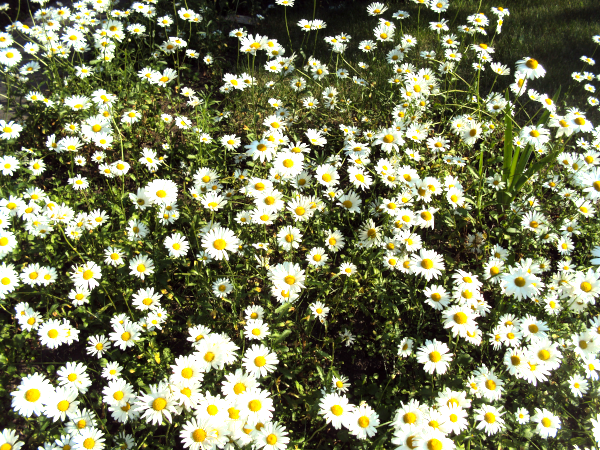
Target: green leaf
508,137
282,336
283,308
321,374
517,174
473,172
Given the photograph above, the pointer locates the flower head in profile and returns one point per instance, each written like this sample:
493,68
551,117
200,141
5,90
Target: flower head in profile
530,68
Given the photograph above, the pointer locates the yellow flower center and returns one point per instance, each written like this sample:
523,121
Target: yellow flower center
520,281
32,395
254,405
434,444
159,404
199,435
489,417
546,422
460,318
260,361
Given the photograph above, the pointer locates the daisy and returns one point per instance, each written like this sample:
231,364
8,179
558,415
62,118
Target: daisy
98,345
520,283
405,347
317,257
177,245
289,165
141,266
591,366
222,287
88,438
237,383
347,269
578,385
219,241
489,419
52,334
335,409
259,361
73,375
61,403
428,263
230,141
460,320
161,192
30,397
186,370
362,422
432,440
157,405
131,117
256,405
546,423
273,435
256,329
533,329
10,440
124,335
530,68
114,256
146,299
435,356
522,416
198,434
84,419
319,310
287,276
